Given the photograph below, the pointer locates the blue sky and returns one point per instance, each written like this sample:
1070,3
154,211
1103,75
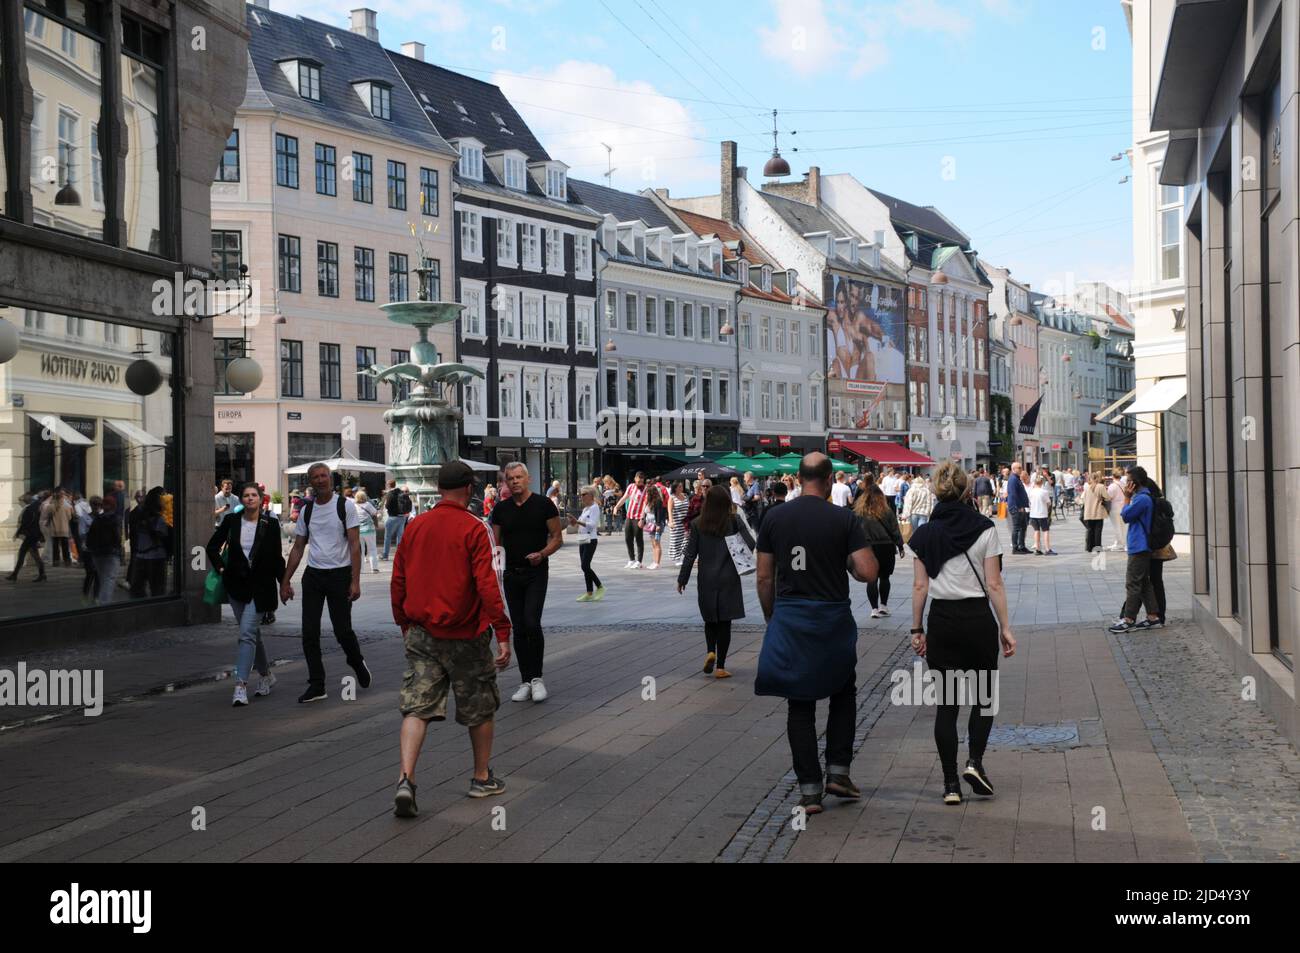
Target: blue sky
1002,113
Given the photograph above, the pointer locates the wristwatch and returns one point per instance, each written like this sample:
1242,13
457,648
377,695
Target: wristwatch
918,632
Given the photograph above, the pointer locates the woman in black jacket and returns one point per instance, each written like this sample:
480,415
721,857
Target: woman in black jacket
875,512
245,550
721,598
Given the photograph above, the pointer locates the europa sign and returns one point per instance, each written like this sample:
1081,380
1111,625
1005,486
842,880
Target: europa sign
80,369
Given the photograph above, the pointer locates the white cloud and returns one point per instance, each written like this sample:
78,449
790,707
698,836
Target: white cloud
803,38
578,105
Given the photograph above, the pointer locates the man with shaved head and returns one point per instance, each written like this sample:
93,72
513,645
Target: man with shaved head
807,548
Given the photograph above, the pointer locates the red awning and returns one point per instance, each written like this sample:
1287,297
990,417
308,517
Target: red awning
884,452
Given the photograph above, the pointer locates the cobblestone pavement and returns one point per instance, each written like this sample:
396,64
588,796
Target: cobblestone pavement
1150,730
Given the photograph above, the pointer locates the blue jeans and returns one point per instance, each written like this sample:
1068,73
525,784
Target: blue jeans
251,651
394,526
919,520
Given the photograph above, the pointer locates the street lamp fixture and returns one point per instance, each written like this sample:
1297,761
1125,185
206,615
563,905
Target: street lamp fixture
610,345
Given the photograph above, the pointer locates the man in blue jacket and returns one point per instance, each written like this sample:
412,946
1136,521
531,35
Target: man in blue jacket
1138,509
1017,509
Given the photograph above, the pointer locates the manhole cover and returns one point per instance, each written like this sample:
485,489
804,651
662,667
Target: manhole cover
1063,735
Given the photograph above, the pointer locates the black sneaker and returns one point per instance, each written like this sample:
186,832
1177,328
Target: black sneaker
363,673
1123,625
493,785
1149,624
811,803
404,799
312,694
952,792
977,779
841,785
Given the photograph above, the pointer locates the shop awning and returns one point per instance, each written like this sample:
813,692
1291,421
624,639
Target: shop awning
1112,410
57,426
135,434
1160,398
886,453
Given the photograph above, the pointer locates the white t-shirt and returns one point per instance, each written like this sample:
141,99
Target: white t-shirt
1068,480
327,547
228,500
889,486
247,534
1040,502
956,580
588,523
794,492
841,495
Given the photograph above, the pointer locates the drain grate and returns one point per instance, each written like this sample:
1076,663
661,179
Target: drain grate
1053,737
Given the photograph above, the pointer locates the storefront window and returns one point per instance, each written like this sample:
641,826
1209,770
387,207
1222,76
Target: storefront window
1177,481
86,497
64,65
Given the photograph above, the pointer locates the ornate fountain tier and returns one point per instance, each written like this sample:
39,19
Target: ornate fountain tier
423,426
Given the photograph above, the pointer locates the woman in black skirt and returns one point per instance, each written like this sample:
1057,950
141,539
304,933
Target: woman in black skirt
720,595
880,524
958,567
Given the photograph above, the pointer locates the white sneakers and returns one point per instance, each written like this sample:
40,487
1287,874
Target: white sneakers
265,684
652,566
884,610
534,690
632,564
875,613
241,695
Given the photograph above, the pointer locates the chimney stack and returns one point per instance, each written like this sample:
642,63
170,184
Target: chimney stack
363,22
814,184
262,4
414,50
727,195
662,193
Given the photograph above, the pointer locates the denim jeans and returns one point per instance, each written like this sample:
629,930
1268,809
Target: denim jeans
919,520
394,526
251,651
107,568
1019,524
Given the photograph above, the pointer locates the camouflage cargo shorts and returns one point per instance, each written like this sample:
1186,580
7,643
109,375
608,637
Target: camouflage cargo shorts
466,666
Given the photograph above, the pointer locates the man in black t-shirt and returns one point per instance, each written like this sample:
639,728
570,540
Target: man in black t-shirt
527,530
806,550
394,519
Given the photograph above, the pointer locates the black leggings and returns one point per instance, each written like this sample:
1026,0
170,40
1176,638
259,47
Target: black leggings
1157,576
945,736
1093,541
30,544
585,551
61,550
717,636
878,591
632,531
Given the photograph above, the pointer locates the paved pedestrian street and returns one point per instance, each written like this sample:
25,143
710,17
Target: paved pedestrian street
1105,748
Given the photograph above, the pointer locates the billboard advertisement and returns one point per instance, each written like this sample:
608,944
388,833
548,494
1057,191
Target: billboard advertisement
866,371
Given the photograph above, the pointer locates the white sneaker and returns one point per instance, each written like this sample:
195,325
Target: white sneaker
634,564
539,690
884,610
875,613
652,566
241,695
265,684
522,693
630,564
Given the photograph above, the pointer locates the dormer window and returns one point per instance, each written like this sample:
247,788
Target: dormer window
679,251
381,101
308,81
765,281
742,272
791,282
557,186
516,173
471,159
706,257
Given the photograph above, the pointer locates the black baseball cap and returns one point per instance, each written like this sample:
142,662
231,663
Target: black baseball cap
454,475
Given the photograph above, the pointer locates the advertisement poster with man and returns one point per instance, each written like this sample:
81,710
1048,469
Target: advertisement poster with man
865,337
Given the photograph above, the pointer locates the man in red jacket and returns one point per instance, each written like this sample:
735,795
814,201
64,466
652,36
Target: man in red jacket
448,614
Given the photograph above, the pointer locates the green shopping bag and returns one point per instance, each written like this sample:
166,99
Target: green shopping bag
214,589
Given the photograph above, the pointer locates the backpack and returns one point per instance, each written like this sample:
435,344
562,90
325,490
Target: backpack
1162,525
305,516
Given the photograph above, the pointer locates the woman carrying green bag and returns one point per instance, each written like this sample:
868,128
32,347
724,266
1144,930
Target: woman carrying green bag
245,553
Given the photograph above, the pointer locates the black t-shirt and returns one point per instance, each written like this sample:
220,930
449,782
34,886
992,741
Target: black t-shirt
523,527
983,486
392,502
826,533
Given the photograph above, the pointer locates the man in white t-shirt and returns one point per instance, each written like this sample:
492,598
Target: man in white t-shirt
841,495
328,530
224,502
889,486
